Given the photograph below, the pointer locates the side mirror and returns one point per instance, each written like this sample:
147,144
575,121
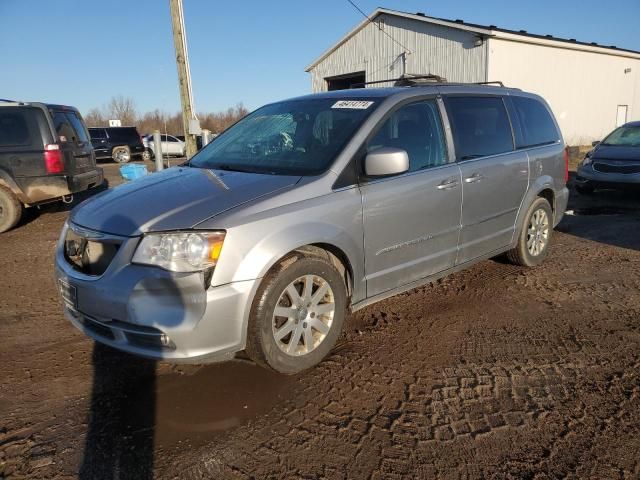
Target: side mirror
595,144
386,161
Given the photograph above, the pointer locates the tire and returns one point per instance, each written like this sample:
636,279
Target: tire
534,236
121,154
585,189
146,155
10,209
280,342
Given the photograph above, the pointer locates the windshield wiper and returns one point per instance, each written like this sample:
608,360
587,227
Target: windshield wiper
233,168
469,157
230,168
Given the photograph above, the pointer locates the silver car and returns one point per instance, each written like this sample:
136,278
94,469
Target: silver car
171,146
309,208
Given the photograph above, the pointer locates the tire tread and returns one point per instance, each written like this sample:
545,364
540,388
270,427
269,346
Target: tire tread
14,209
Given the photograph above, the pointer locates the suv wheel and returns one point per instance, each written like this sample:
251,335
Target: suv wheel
121,154
10,209
146,155
535,235
297,314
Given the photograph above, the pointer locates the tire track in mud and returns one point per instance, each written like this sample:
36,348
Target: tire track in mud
494,372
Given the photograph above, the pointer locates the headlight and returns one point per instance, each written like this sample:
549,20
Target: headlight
181,251
587,161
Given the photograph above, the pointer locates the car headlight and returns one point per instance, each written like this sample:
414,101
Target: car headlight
587,161
180,251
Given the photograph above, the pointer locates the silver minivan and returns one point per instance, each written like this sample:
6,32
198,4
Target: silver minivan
309,208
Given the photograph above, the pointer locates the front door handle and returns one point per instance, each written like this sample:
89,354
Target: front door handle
448,184
476,177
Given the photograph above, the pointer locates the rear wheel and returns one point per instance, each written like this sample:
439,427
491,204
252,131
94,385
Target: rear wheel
121,154
298,313
535,235
10,209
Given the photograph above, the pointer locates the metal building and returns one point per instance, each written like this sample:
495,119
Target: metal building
591,88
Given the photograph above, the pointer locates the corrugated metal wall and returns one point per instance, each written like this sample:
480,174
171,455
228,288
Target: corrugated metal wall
435,49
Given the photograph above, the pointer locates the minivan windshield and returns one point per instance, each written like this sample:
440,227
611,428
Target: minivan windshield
296,137
624,137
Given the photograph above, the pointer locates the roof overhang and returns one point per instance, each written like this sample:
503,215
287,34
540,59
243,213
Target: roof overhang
491,31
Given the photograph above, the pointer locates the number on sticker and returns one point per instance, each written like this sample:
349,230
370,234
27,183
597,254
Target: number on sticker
353,104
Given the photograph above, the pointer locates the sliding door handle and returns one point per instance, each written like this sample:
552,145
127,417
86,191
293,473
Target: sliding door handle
476,177
448,184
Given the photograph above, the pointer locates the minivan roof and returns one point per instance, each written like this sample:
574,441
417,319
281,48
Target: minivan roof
385,92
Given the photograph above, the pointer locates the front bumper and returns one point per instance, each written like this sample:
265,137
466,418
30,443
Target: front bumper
587,175
154,313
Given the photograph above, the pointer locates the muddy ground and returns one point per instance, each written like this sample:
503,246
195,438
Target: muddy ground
497,372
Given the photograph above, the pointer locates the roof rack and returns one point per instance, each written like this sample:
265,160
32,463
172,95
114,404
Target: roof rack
406,80
495,82
412,80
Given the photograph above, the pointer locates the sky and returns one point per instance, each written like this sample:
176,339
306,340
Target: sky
84,52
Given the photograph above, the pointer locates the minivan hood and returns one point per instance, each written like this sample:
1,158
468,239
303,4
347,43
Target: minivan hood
605,152
177,198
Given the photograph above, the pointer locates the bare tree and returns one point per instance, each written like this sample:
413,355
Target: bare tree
123,109
94,118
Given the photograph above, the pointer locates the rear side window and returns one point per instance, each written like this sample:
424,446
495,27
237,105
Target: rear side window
14,130
480,126
69,126
97,133
124,134
536,125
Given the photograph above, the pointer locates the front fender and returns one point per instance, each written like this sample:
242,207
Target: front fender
252,248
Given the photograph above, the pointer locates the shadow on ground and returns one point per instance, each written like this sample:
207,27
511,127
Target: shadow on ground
135,411
120,435
605,216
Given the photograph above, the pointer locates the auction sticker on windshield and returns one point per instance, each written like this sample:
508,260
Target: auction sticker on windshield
353,104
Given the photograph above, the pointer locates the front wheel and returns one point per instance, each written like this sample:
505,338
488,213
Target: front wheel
146,155
535,235
297,314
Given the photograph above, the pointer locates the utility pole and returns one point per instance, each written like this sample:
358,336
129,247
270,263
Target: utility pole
189,121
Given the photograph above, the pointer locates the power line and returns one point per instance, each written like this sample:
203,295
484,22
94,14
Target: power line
353,4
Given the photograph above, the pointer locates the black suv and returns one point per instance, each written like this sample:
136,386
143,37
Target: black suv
45,155
118,143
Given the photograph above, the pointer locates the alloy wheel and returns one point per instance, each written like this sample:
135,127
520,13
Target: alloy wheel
538,232
303,315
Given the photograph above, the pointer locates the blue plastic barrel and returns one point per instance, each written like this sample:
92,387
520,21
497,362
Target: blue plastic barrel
133,171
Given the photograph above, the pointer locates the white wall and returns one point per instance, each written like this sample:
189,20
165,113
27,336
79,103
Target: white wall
436,49
583,88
